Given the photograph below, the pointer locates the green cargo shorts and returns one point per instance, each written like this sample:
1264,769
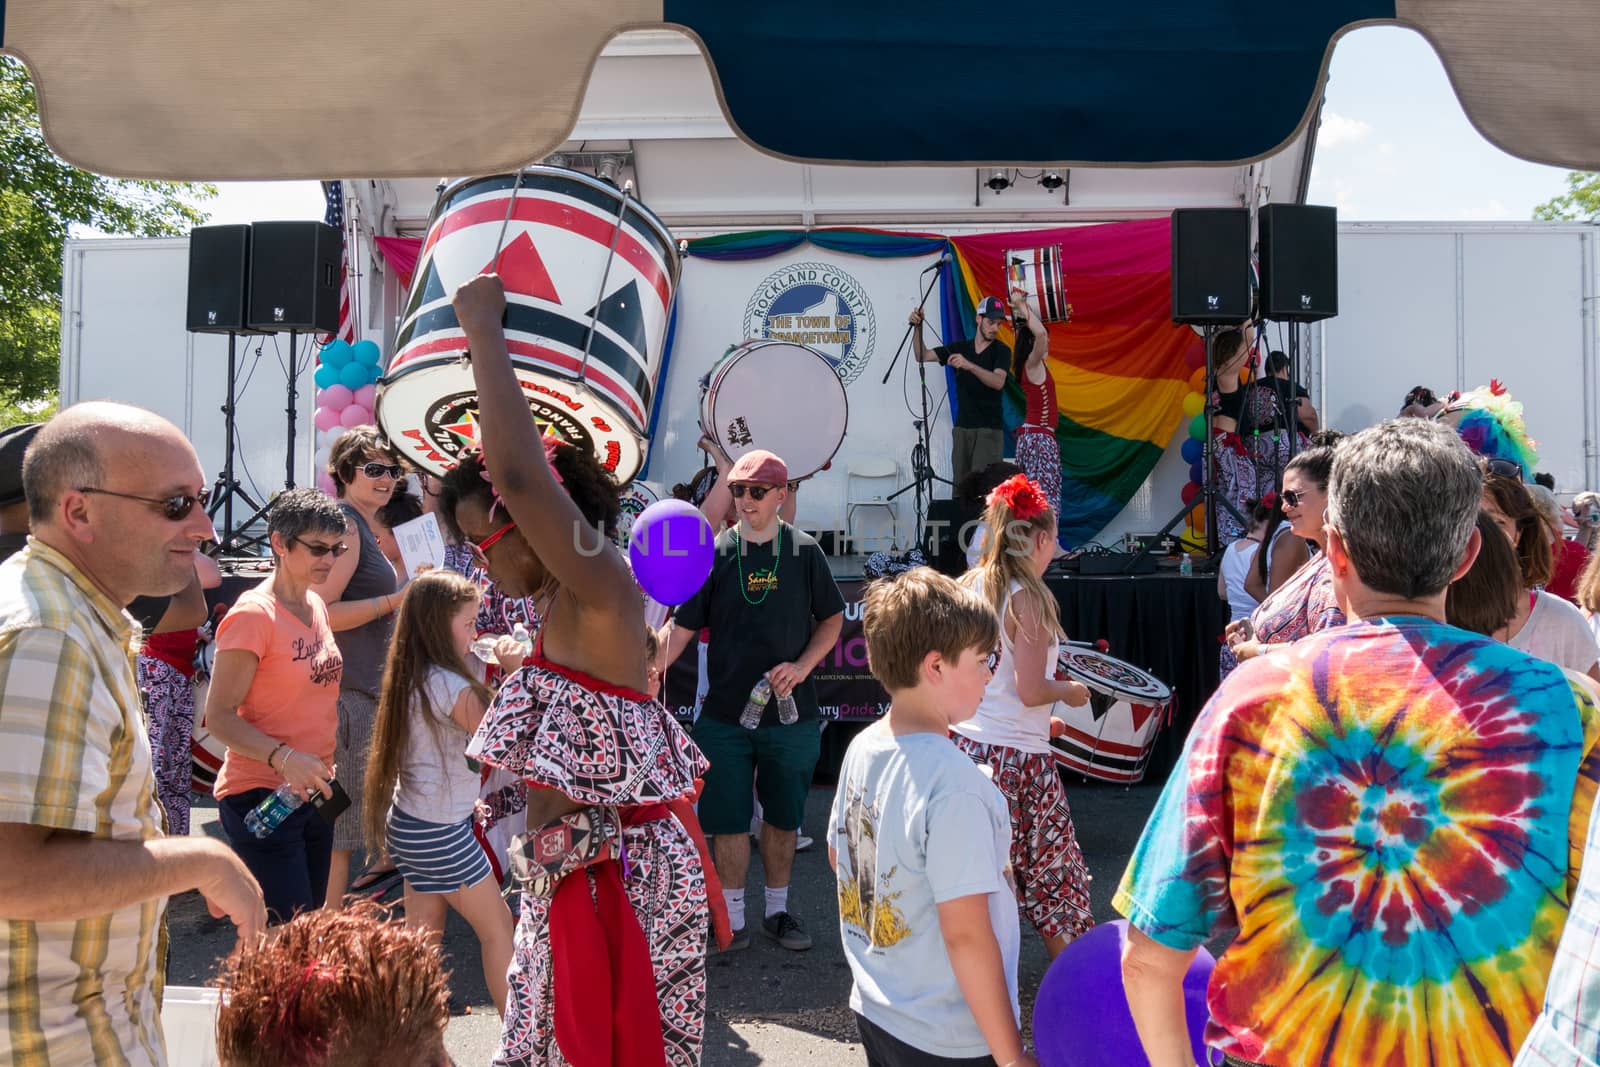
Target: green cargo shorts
777,760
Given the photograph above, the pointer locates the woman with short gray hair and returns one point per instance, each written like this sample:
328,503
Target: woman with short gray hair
274,686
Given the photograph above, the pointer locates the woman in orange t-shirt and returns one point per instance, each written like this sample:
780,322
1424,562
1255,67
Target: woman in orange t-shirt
274,689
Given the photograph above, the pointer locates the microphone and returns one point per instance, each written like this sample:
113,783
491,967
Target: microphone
941,261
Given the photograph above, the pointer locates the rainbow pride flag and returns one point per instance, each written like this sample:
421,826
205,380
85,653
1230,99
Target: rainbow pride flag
1119,364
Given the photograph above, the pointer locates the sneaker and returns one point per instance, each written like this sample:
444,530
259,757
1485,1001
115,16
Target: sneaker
786,930
802,843
741,940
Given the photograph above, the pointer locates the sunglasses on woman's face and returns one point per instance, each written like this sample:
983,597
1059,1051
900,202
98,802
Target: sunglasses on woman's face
1292,498
378,470
173,508
757,492
318,551
1505,468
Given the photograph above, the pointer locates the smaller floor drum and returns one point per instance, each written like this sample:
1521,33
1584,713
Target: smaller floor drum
1111,737
780,396
1037,271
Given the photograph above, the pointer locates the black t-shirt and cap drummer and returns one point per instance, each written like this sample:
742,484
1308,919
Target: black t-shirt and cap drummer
981,366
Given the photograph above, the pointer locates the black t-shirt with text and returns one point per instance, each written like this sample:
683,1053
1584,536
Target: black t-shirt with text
977,406
761,606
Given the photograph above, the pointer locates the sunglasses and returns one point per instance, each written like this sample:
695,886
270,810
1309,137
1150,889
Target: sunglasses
318,551
1292,498
1505,468
378,470
173,508
481,548
757,492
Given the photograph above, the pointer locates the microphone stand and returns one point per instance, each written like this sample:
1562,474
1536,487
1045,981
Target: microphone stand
922,473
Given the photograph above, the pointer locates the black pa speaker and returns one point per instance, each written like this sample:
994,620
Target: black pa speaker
1211,266
219,278
294,277
1299,262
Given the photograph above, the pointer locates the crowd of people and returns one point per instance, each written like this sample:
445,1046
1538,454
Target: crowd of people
1384,810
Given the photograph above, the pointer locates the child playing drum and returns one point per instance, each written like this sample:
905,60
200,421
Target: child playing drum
1011,730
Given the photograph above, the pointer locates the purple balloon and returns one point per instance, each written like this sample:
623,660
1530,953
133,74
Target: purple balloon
671,547
1081,1017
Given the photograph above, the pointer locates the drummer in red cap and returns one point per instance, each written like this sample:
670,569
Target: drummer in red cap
774,612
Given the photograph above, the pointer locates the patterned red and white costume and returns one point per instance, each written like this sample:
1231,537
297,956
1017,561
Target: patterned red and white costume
604,745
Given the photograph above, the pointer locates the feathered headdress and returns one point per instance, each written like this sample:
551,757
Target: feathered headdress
1490,423
1021,495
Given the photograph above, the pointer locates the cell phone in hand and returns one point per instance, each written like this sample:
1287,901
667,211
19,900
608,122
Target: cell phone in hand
330,808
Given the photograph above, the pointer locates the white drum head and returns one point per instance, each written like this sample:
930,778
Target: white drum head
429,412
1111,676
780,396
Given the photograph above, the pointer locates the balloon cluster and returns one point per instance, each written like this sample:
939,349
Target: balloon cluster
1193,450
347,385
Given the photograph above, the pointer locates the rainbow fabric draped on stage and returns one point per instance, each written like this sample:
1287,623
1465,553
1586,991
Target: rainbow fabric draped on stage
1119,365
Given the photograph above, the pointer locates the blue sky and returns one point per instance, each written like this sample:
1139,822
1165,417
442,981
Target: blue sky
1394,145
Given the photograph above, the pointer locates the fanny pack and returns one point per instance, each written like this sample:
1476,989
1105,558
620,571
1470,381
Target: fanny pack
541,858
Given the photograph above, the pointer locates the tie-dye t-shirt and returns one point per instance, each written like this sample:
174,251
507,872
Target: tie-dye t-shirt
1390,815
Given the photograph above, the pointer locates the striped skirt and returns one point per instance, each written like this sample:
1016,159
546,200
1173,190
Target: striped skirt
435,857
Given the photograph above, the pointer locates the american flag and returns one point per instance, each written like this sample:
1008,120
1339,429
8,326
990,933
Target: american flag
334,216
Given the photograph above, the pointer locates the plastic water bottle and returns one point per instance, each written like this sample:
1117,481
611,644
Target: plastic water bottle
519,634
1186,565
756,706
483,647
268,815
788,713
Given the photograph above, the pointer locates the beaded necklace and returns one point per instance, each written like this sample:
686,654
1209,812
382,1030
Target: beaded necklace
777,553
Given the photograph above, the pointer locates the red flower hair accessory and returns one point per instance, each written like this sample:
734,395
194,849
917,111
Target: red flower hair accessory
1021,495
1270,501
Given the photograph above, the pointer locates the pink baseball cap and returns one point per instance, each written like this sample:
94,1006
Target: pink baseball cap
759,467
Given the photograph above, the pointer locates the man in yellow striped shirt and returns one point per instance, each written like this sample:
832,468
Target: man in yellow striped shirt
116,501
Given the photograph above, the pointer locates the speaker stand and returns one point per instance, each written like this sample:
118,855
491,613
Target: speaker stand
1208,491
227,486
292,399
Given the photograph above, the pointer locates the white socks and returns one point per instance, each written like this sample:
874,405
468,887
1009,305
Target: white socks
735,899
777,900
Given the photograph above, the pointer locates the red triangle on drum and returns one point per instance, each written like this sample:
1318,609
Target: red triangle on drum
466,429
1141,714
522,270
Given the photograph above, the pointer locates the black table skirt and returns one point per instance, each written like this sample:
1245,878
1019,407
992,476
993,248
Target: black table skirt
1167,624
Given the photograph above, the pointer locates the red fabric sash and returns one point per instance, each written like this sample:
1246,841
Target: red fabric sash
597,944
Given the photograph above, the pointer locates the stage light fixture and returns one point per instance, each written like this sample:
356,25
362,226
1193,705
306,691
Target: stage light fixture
999,180
609,169
1052,180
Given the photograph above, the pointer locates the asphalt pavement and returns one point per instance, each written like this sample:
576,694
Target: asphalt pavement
767,1005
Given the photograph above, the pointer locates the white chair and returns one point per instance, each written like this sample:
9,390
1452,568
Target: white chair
868,484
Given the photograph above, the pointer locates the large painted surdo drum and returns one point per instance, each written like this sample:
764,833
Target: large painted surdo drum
589,274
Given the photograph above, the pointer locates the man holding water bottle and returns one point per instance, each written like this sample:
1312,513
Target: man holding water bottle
116,498
774,612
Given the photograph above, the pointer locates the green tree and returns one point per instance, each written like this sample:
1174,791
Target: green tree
41,199
1580,203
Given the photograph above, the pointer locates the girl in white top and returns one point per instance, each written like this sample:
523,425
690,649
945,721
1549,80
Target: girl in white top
1010,733
1238,561
420,790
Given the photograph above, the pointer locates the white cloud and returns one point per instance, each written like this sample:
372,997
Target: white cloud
1491,210
1336,130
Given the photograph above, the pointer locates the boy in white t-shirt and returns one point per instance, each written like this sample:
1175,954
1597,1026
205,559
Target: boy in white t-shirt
920,839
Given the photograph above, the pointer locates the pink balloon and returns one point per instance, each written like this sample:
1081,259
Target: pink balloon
325,482
337,397
355,415
326,418
367,396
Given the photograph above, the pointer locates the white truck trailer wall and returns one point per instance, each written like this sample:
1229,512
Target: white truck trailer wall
123,338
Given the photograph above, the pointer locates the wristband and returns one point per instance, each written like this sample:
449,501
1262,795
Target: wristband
281,746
